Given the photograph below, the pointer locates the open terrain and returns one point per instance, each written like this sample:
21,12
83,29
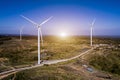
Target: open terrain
17,54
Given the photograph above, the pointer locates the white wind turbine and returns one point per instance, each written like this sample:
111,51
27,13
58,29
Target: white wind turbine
91,32
39,32
21,30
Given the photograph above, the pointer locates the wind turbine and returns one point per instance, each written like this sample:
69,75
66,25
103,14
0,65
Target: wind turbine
39,32
21,29
91,32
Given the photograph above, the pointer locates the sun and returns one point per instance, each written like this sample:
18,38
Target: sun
63,34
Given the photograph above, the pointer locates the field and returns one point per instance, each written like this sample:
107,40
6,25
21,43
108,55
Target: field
104,60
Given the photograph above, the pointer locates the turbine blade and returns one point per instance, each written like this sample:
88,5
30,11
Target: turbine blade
46,21
93,22
41,37
21,28
29,20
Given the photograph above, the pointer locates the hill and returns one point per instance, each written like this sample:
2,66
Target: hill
101,64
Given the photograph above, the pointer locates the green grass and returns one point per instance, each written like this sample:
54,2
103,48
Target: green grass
48,72
24,53
109,61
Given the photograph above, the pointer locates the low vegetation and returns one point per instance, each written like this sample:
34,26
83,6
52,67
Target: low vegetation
25,52
15,53
49,72
107,60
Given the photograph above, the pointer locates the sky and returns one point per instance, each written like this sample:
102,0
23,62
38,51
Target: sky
73,17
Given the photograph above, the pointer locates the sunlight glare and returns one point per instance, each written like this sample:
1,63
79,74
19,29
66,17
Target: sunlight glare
63,34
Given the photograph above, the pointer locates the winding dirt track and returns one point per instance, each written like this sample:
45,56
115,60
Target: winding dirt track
6,73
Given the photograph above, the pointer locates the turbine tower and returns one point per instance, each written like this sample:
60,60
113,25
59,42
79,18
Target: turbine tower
91,32
21,30
39,32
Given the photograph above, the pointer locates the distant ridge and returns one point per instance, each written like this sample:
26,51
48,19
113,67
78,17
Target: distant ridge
100,36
